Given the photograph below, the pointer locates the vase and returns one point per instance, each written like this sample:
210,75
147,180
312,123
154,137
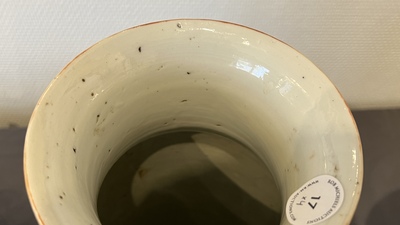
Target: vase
192,121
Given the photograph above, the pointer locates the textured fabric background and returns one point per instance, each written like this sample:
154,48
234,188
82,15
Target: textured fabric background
356,43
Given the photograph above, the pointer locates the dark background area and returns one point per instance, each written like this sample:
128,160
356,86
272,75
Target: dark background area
379,203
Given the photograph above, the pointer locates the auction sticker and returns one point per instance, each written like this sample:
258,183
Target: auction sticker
315,201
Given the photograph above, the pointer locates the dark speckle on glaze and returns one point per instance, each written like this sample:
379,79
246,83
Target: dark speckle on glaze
61,197
179,25
140,49
188,73
296,168
184,100
105,103
142,173
74,149
83,80
73,129
218,125
92,94
303,77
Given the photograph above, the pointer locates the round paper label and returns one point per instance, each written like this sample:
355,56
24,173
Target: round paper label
315,201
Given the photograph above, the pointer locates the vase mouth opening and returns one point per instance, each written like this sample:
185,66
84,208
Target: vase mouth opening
189,175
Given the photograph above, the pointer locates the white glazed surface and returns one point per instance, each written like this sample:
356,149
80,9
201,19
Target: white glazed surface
186,73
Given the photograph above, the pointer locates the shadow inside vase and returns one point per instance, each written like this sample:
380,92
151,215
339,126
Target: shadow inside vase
189,178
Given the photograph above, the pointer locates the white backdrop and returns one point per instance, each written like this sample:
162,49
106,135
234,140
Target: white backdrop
356,43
